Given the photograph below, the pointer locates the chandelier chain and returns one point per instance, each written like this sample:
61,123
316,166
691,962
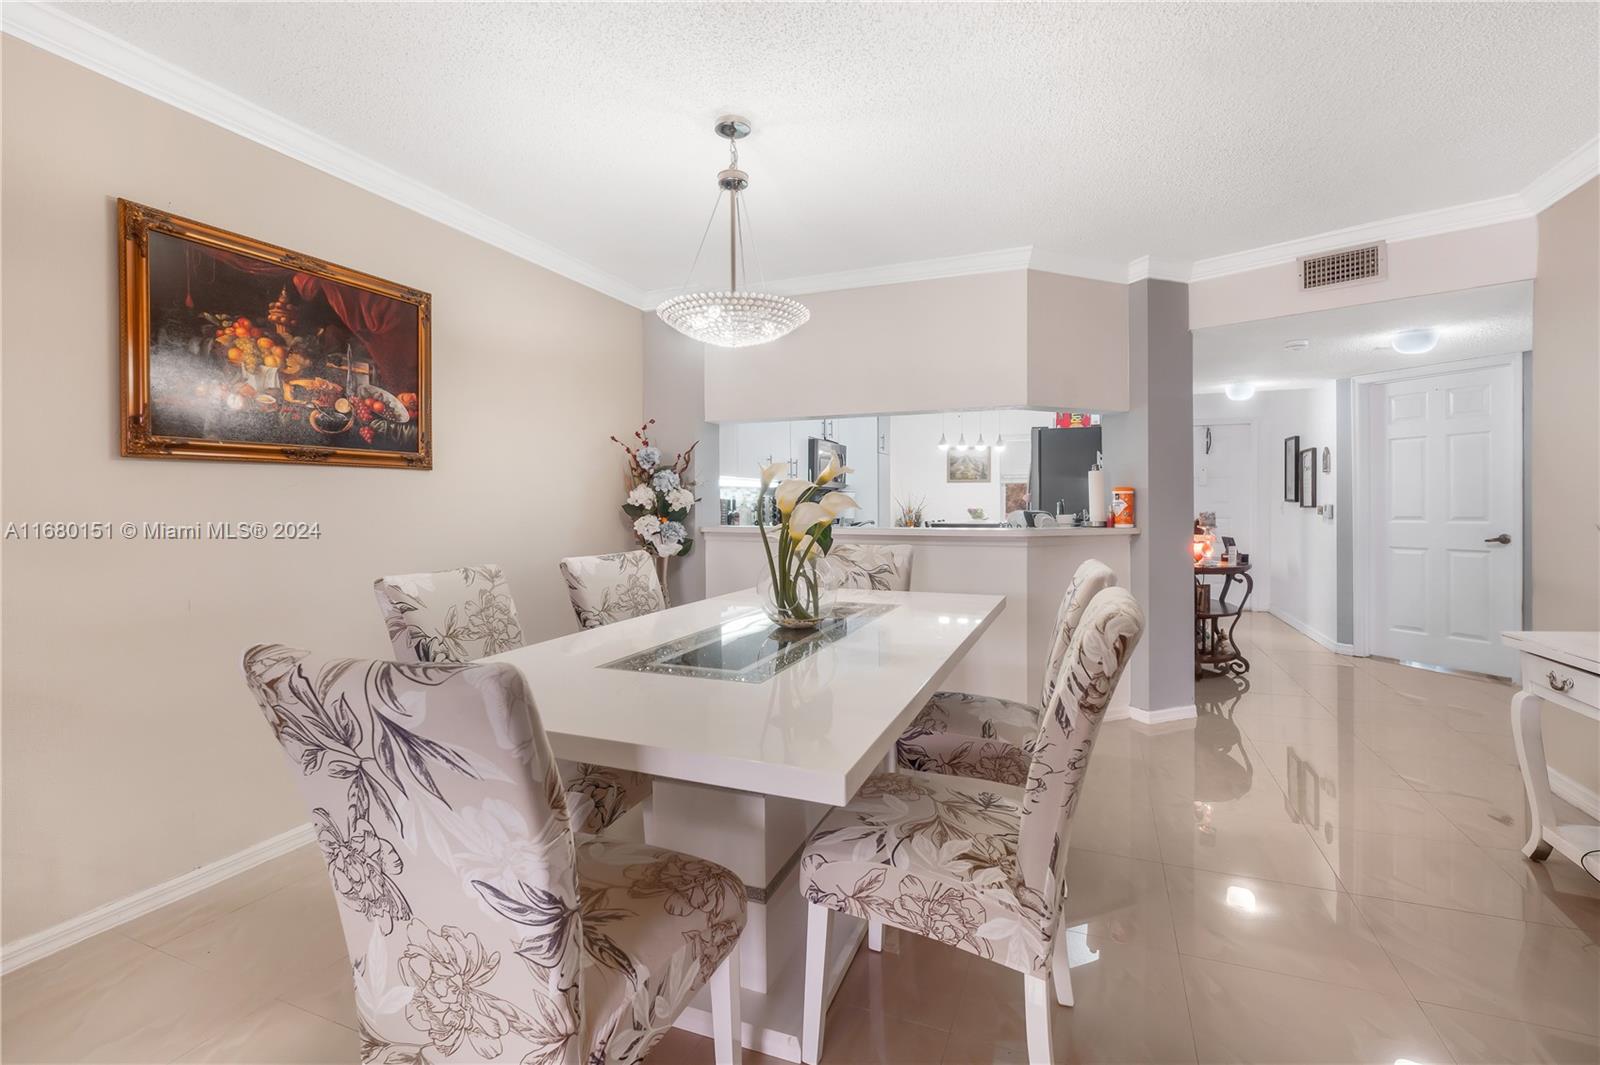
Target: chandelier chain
703,235
737,317
747,224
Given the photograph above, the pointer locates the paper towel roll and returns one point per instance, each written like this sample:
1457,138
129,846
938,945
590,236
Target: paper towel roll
1098,499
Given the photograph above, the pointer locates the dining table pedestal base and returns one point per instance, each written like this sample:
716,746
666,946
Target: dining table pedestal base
760,838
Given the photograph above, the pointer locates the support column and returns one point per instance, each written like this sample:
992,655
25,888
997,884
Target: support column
675,396
1151,447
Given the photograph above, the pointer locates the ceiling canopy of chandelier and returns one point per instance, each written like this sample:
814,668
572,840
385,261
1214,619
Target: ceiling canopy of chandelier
735,318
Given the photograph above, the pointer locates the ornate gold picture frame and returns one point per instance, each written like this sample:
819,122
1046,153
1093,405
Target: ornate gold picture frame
236,349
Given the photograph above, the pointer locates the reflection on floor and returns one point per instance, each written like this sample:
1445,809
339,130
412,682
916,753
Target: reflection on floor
1322,868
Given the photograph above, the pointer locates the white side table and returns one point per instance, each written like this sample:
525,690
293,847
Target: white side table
1562,669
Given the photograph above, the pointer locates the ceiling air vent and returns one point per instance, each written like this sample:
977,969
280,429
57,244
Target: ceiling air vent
1344,267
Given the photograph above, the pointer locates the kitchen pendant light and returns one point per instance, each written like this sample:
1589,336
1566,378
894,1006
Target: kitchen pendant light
732,319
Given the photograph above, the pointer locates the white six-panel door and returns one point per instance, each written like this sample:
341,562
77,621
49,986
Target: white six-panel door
1446,485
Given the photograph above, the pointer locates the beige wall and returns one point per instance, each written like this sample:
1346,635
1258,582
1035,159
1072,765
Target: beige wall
1013,339
1565,432
1077,343
1444,262
944,344
131,750
1566,449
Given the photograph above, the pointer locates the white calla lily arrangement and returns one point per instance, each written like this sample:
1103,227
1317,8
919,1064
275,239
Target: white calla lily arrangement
806,511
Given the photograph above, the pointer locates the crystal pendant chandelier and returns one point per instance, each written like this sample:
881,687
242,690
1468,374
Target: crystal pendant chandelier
732,319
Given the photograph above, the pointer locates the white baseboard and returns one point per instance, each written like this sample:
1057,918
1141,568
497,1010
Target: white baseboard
102,918
1575,793
1162,716
1311,633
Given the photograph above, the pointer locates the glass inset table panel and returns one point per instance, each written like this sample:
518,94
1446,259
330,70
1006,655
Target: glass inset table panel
748,649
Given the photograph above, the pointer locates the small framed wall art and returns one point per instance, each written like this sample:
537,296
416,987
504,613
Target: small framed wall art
1291,469
967,467
1308,477
240,350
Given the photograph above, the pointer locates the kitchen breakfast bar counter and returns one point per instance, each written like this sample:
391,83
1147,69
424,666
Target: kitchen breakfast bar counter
1030,567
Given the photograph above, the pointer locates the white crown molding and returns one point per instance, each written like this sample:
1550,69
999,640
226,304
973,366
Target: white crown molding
1145,268
984,262
1060,262
1401,227
29,949
46,26
1553,184
1544,190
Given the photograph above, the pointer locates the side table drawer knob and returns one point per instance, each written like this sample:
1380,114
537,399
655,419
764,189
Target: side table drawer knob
1560,684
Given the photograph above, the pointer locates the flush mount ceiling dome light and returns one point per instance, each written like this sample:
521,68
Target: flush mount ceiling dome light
1240,391
1415,341
732,319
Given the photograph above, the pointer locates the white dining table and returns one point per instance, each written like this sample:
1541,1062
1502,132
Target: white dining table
752,733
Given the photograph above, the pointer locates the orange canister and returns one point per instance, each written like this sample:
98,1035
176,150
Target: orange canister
1122,506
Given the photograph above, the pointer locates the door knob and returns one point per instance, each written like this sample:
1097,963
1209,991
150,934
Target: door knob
1503,538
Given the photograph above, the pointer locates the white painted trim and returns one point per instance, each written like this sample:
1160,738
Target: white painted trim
1411,373
1402,227
1309,632
983,262
1562,178
1575,793
54,30
30,949
50,27
1146,268
1162,716
1363,454
1060,262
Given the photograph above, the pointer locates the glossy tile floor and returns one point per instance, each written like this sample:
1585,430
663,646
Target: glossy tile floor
1322,868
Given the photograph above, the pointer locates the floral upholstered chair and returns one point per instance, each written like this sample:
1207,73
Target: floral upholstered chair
455,615
461,615
985,736
479,927
970,863
614,587
879,567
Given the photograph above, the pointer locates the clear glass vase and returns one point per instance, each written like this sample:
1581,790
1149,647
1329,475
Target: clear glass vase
800,605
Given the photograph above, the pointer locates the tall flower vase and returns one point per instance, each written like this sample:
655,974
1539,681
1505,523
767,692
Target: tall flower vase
661,576
801,604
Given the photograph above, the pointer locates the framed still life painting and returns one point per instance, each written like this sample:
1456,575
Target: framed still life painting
233,348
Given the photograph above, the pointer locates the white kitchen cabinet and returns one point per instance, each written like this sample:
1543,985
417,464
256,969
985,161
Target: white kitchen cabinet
1015,459
860,439
754,444
730,464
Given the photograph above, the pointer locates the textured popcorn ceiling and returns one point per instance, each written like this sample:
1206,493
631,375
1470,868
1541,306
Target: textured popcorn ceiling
1495,320
888,133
